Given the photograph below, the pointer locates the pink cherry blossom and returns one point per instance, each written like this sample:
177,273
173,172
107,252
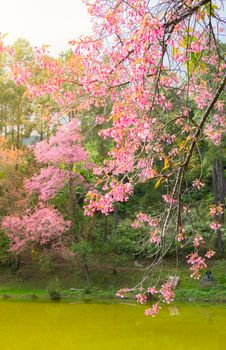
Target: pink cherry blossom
152,290
141,298
197,240
122,292
45,226
197,264
153,311
215,226
169,199
198,184
209,254
167,292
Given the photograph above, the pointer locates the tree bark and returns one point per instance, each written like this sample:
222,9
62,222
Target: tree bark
116,218
86,270
106,228
18,137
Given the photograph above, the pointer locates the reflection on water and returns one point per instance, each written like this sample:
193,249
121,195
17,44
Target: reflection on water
46,326
173,310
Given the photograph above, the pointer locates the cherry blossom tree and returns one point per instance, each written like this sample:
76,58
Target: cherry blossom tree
61,157
43,227
146,59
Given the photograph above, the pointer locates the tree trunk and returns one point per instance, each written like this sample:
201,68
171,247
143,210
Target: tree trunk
116,218
219,191
15,263
18,137
106,228
86,270
73,208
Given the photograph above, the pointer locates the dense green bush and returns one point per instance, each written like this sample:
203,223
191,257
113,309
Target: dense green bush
53,290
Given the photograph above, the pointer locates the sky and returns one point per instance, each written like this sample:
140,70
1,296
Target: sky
52,22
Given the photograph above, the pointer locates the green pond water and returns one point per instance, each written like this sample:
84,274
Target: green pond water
49,326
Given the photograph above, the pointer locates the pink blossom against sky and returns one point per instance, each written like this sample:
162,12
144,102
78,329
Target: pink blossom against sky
51,22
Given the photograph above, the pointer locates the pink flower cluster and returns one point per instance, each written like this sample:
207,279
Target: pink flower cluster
153,311
60,154
65,147
152,290
169,199
216,210
21,74
155,236
145,219
99,119
181,234
105,203
209,254
197,240
215,226
122,292
167,292
47,183
215,135
197,264
44,226
216,129
198,184
141,298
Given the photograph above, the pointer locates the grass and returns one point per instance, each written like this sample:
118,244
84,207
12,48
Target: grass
31,284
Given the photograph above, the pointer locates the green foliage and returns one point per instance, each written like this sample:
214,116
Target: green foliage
82,248
54,290
125,240
5,258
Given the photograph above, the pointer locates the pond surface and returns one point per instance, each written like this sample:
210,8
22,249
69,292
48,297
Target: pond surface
46,326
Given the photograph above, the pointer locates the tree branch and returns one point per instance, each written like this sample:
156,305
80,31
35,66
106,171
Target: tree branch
202,122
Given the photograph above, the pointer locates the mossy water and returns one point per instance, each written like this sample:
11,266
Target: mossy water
60,326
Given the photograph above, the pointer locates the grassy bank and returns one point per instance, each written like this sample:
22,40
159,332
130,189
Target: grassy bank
32,284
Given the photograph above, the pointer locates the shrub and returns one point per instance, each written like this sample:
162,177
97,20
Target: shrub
53,290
